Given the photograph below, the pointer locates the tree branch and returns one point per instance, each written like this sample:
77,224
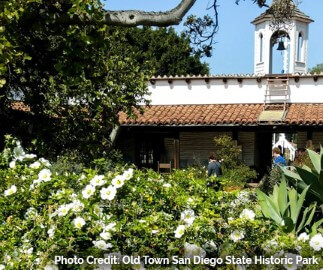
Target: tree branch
137,17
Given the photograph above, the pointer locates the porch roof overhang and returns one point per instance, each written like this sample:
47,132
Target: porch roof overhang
221,115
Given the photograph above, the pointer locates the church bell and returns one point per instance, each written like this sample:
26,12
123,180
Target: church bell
281,46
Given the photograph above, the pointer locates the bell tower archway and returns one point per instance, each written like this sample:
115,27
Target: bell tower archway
291,42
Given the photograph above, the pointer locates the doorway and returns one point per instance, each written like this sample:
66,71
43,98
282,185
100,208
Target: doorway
264,144
148,150
263,152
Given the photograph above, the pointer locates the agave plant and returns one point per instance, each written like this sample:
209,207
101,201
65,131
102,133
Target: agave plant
305,177
285,207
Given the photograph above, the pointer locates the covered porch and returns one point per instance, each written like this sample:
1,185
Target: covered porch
183,134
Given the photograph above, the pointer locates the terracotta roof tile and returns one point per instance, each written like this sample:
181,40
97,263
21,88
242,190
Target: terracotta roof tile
221,114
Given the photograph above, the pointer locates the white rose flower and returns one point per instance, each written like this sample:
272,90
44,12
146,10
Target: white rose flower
118,181
51,231
12,164
248,214
97,180
128,174
63,210
270,245
30,156
10,191
88,191
316,242
179,232
19,152
51,267
97,210
104,267
190,201
108,193
31,213
101,244
77,206
293,259
2,267
73,196
191,250
303,237
45,175
78,222
28,250
188,216
138,266
110,227
210,246
106,235
236,236
45,162
35,165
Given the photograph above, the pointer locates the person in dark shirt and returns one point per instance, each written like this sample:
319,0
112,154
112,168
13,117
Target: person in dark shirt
214,167
278,159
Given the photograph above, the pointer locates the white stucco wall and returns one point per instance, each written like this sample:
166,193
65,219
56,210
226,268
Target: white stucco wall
197,91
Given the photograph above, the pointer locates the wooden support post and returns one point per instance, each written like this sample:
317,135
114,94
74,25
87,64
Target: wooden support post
235,137
309,139
176,153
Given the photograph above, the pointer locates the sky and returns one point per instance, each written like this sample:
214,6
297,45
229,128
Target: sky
233,52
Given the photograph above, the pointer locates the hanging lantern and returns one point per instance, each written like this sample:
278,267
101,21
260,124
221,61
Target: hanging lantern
281,46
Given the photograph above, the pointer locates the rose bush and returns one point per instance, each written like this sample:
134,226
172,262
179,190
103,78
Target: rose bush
46,211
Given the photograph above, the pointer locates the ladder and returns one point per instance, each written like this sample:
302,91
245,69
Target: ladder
277,93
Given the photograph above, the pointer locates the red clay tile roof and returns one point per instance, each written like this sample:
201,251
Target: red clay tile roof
220,114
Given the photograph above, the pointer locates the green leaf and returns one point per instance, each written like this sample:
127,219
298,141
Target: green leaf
300,203
315,226
292,194
290,174
262,197
289,224
27,57
282,197
310,217
321,172
302,224
316,160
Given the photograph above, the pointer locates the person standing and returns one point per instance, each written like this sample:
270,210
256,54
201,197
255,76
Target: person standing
214,167
278,159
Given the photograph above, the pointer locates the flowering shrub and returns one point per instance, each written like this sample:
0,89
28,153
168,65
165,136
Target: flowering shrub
47,212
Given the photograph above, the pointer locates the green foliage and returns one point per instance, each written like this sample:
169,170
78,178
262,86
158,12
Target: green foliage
227,151
284,206
305,177
47,211
237,177
235,173
317,69
269,181
76,78
165,51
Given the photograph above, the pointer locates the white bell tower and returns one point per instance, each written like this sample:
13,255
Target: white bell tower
293,39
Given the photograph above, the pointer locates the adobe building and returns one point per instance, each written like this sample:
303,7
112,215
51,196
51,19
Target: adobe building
187,112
